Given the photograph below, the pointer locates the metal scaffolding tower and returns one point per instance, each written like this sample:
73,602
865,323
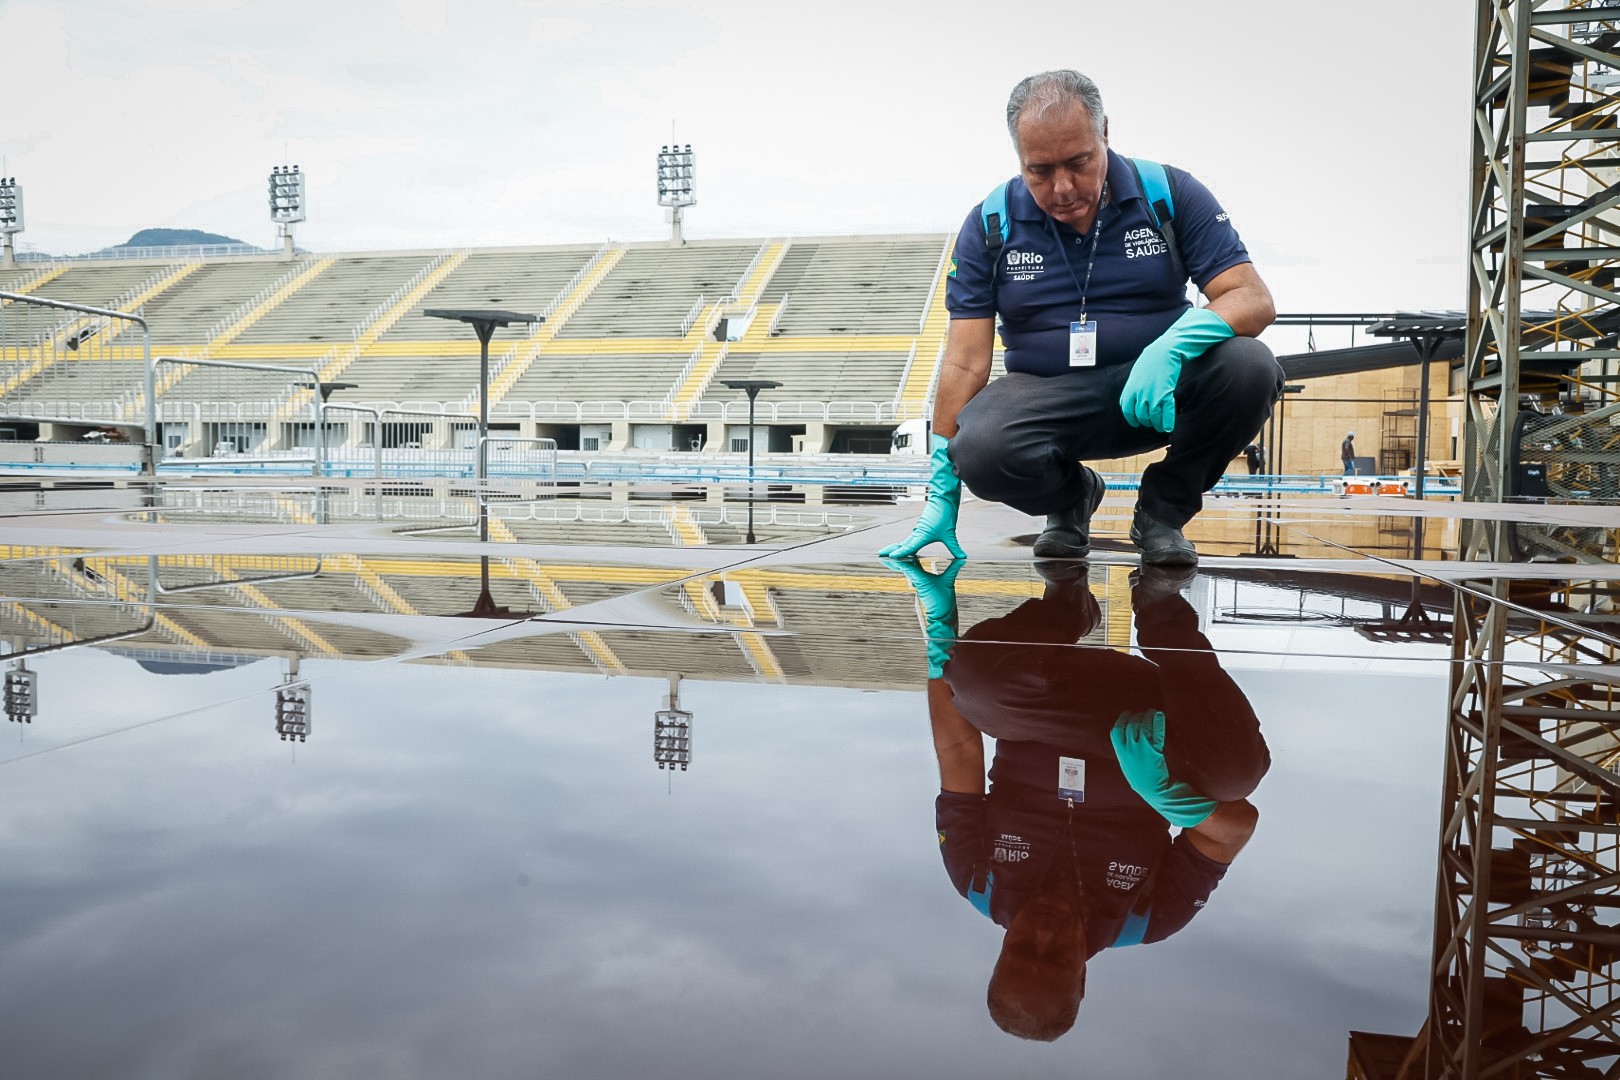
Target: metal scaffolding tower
1543,311
1524,980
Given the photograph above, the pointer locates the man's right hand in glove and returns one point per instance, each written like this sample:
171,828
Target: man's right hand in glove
938,520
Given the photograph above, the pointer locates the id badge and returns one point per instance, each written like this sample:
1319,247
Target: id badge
1083,344
1072,779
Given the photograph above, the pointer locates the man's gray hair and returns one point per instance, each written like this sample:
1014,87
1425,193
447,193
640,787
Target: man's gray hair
1051,89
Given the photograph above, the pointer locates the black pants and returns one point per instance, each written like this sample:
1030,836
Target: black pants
1021,439
1021,677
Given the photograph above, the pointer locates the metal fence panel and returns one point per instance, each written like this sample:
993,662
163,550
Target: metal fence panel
74,363
215,408
532,461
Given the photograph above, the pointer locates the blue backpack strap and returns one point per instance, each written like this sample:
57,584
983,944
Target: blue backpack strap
996,223
980,898
1161,200
1134,930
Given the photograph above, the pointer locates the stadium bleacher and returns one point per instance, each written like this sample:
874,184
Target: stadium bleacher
634,331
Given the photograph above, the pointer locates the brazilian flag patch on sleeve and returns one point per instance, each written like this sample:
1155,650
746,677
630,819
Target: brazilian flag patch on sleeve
952,271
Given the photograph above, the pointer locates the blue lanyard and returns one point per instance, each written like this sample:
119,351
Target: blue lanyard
1091,250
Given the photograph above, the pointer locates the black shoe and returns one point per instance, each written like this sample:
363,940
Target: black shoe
1160,544
1068,534
1063,573
1151,584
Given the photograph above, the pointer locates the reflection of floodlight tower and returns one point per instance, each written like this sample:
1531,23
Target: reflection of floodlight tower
11,219
672,731
286,202
22,694
293,706
675,188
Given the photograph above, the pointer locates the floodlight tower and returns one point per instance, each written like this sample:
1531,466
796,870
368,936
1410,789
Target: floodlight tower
11,219
286,202
675,188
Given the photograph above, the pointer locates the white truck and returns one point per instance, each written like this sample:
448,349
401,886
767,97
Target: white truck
910,437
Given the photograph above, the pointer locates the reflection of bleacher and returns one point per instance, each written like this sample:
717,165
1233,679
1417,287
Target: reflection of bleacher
652,289
636,533
849,625
877,646
646,651
554,652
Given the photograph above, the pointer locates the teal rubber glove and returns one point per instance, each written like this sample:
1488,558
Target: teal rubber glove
1149,397
938,520
937,595
1138,740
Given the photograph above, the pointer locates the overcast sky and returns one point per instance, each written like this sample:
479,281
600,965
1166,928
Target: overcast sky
1336,137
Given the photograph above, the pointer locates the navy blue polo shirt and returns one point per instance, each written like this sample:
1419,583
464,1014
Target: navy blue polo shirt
1135,293
998,848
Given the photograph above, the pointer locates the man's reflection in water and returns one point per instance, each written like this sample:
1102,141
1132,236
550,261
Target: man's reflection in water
1098,755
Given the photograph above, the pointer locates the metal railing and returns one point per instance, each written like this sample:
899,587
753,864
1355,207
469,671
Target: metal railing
771,411
776,320
742,279
28,282
179,252
573,283
241,311
687,368
229,408
73,362
691,316
533,460
944,260
905,374
509,356
359,328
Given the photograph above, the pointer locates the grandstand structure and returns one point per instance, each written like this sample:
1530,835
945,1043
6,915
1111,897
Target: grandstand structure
635,342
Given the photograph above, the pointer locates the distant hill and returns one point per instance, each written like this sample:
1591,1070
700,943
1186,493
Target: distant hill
174,238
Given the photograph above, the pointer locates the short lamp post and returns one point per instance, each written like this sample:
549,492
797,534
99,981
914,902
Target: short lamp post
1427,333
751,387
324,391
483,321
